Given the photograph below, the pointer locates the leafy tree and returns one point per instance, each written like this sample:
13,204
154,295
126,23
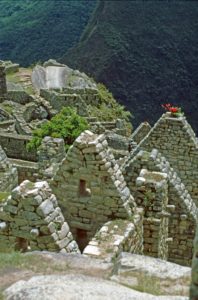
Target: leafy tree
67,124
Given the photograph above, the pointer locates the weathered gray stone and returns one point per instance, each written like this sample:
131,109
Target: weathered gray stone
75,287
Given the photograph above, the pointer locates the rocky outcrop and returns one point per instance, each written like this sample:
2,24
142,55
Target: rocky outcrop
137,271
53,75
56,287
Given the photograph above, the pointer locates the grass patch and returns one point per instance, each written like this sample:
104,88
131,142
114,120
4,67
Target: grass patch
33,262
13,77
8,108
29,90
145,284
148,285
3,196
1,295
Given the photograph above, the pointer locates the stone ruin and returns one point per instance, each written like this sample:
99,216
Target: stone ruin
108,194
32,219
94,189
145,203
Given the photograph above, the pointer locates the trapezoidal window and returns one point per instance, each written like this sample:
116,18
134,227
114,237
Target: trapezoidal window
83,190
21,244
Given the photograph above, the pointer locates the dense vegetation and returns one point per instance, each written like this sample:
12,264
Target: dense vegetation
145,52
33,30
109,109
67,124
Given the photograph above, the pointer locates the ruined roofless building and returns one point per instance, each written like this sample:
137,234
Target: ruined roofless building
149,199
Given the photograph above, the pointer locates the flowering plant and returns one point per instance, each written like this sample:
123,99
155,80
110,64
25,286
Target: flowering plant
174,110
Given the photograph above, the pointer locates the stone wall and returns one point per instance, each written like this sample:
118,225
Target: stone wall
3,87
194,274
59,100
50,153
183,211
8,173
31,219
51,150
90,187
152,195
117,236
26,170
14,146
177,142
20,97
141,131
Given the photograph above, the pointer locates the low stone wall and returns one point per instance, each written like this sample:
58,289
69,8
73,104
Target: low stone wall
58,101
26,170
20,97
14,146
8,173
31,219
117,236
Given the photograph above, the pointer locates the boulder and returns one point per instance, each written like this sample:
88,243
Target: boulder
151,273
68,287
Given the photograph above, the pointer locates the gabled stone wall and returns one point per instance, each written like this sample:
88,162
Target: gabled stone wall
90,187
31,219
183,211
177,142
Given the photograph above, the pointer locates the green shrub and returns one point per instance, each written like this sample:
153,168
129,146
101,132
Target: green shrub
67,125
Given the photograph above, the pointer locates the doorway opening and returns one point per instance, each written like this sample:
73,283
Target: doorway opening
81,238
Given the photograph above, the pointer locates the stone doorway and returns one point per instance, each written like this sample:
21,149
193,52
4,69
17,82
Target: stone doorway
81,238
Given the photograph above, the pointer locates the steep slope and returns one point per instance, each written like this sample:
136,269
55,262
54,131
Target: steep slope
146,52
33,30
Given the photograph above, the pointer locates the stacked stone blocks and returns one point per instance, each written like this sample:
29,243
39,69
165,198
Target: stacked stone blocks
152,195
117,236
31,219
182,208
93,186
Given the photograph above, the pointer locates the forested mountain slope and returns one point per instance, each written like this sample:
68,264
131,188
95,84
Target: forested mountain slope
146,52
33,30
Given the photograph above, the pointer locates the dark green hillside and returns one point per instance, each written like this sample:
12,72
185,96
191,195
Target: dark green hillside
145,52
32,30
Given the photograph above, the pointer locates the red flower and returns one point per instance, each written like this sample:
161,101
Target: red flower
170,108
174,109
